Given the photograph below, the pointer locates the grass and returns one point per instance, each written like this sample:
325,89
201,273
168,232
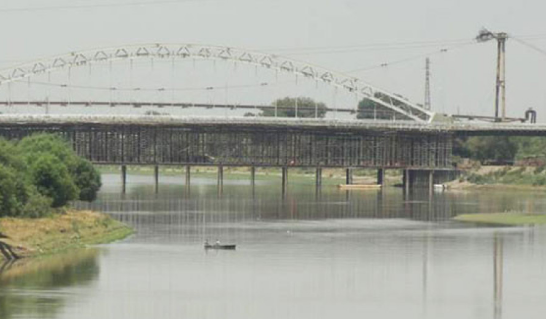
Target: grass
503,219
73,229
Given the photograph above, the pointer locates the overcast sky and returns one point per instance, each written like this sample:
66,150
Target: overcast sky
345,35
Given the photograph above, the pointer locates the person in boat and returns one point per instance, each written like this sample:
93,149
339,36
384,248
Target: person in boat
217,242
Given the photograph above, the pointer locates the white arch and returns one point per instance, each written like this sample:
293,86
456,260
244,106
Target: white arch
164,51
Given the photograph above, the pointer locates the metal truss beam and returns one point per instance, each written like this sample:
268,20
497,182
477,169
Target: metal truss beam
183,51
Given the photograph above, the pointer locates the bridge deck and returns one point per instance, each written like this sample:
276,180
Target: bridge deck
166,140
521,129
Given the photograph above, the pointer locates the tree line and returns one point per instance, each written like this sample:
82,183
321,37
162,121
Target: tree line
502,149
41,173
306,107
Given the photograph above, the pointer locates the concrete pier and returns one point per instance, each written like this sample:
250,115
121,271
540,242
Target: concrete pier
349,176
284,180
220,178
380,176
406,181
123,179
318,177
188,175
156,178
253,176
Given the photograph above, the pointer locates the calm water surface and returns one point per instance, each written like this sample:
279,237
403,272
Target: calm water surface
332,254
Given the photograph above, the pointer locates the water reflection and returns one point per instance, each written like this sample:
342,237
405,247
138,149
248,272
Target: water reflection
377,254
30,288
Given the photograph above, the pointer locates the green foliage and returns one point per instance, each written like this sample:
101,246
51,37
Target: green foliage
499,149
502,149
368,109
286,107
84,176
10,204
53,180
87,180
42,172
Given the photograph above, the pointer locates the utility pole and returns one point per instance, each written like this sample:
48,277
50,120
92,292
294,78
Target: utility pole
427,85
500,86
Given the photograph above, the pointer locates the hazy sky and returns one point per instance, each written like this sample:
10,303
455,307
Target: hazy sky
341,35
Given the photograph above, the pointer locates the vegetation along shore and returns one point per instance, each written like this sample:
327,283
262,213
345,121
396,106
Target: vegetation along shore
39,176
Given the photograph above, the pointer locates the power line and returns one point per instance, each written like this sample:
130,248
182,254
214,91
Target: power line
368,47
103,5
527,44
204,88
409,59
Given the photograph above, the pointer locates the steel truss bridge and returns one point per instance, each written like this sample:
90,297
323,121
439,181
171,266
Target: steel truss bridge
276,63
423,142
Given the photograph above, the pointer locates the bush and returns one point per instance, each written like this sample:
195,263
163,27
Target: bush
88,180
85,177
10,204
41,172
53,180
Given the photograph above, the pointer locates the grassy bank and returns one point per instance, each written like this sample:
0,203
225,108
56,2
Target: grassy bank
73,229
503,219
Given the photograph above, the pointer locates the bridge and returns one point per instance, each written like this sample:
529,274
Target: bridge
421,144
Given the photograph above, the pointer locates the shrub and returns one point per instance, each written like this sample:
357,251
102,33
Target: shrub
53,180
87,179
10,204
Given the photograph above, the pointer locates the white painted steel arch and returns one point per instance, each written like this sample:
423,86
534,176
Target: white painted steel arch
270,61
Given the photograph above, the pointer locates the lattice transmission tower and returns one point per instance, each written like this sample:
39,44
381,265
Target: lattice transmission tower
427,85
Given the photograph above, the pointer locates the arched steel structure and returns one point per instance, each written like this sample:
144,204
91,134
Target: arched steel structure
269,61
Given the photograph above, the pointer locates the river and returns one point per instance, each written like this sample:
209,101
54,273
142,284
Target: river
356,254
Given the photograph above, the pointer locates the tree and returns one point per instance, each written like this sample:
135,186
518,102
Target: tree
10,204
53,180
84,176
87,180
307,108
368,109
500,149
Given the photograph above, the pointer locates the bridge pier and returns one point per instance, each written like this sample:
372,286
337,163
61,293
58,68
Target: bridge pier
253,176
348,176
188,176
406,181
123,179
220,178
430,181
156,178
380,176
426,178
284,180
318,178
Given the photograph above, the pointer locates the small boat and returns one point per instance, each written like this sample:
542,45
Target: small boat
220,246
359,186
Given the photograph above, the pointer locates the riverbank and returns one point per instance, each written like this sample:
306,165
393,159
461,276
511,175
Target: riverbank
59,232
502,178
503,219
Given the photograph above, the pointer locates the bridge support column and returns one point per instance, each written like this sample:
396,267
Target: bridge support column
123,178
156,178
348,176
284,180
253,176
430,181
380,176
220,178
318,177
407,180
188,176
